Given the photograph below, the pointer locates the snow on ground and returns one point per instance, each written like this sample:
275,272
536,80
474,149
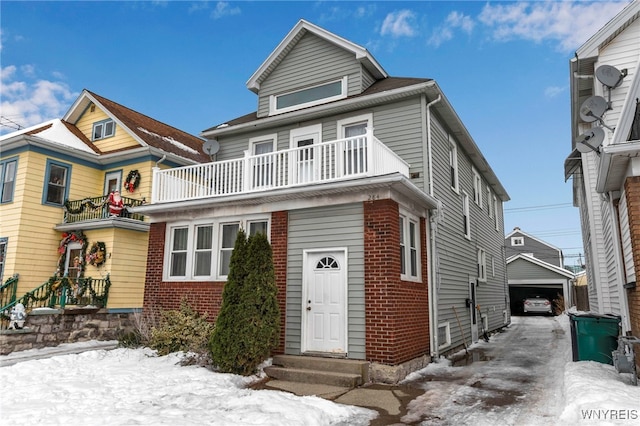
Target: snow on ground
136,387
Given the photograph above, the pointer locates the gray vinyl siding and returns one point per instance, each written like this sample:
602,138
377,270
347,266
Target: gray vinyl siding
327,227
457,255
367,79
312,61
541,251
610,293
520,269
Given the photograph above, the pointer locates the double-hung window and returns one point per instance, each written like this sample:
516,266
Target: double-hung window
409,248
56,183
482,265
453,165
8,182
201,251
263,162
477,188
466,218
103,129
353,130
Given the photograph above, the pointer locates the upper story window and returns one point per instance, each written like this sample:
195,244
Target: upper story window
103,129
8,183
309,96
517,241
202,250
409,248
489,202
482,265
56,183
466,218
477,188
453,165
496,207
355,156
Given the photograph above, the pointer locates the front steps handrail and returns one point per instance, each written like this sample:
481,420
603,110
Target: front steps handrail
8,291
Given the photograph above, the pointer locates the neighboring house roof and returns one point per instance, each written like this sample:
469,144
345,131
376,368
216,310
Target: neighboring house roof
146,130
518,231
291,39
540,263
57,132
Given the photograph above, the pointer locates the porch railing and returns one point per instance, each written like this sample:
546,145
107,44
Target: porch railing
59,293
337,160
97,208
8,291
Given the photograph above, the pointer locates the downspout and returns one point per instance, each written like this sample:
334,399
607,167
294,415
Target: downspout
433,229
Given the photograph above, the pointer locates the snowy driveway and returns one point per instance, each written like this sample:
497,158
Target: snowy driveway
515,379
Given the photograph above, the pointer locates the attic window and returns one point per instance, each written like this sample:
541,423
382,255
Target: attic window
517,241
310,96
103,129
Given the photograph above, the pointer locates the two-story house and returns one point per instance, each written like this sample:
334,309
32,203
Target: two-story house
535,268
66,189
605,124
385,219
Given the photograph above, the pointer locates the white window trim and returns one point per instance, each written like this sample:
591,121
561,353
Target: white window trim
517,241
453,152
447,342
408,218
489,202
477,187
272,137
216,245
495,214
346,122
482,265
273,99
466,214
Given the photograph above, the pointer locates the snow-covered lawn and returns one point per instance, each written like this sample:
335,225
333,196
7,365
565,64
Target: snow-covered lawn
135,387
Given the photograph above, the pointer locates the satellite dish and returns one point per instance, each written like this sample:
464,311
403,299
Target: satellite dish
590,140
211,147
593,109
610,76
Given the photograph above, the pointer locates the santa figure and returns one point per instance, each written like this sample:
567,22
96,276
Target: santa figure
115,203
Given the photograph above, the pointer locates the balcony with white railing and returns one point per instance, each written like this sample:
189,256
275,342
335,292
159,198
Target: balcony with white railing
332,161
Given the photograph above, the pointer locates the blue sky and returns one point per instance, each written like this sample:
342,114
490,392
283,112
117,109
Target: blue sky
504,66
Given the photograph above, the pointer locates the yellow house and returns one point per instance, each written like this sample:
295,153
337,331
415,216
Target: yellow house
60,214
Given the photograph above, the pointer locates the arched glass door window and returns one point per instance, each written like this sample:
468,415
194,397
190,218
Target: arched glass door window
327,262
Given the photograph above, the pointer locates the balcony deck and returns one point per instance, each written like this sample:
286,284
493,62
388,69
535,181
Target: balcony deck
332,161
97,208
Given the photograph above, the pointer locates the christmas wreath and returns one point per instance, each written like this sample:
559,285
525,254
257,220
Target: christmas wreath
133,181
97,254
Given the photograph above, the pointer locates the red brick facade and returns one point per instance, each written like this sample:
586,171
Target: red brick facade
397,312
632,191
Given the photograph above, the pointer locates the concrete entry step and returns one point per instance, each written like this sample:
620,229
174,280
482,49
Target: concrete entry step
327,371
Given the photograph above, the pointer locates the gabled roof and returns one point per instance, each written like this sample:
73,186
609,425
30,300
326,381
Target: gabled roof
610,30
145,130
57,132
518,231
540,263
300,29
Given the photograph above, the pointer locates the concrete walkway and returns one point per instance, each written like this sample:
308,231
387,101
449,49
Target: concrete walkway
62,349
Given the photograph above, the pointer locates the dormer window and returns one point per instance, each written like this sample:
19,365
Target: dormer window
103,129
517,241
310,96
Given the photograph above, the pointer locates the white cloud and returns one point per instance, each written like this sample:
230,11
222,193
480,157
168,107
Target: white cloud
224,9
26,101
553,91
455,20
398,24
570,23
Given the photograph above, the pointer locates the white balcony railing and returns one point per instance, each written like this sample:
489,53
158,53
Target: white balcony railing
331,161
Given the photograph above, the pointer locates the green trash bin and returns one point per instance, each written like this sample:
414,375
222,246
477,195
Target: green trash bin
594,337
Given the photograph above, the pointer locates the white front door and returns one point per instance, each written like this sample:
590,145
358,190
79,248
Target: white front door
304,138
324,307
112,182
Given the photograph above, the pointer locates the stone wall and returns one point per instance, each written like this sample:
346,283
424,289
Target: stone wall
51,327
